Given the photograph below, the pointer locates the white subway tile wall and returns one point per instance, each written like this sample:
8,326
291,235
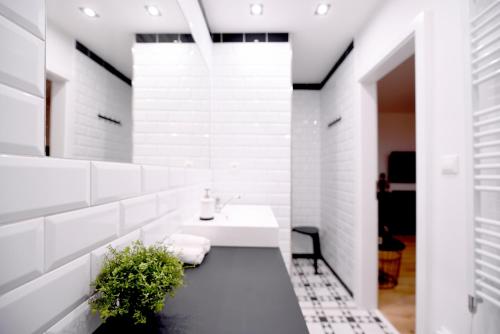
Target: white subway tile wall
337,171
251,125
80,320
97,91
46,270
159,229
154,178
33,307
58,254
22,245
72,234
27,75
33,187
112,181
136,212
22,118
29,14
22,77
171,105
306,143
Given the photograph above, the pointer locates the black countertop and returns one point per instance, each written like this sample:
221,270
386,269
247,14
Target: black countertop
236,290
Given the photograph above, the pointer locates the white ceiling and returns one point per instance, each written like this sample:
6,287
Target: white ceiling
112,34
396,91
317,41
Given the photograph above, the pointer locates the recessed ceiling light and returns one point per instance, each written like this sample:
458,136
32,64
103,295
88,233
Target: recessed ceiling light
256,9
322,9
153,10
89,12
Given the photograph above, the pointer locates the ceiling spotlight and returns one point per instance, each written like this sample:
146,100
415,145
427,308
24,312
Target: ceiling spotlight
153,10
322,9
256,9
89,12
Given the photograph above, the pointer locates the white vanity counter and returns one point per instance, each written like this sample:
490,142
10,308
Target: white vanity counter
238,225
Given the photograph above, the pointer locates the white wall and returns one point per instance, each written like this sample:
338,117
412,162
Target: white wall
60,49
22,73
396,133
447,226
83,89
337,171
97,91
171,105
306,142
251,125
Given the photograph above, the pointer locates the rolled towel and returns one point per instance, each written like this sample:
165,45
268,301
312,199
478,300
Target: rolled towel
188,255
189,240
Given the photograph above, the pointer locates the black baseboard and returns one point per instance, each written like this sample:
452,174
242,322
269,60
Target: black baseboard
302,256
338,277
310,256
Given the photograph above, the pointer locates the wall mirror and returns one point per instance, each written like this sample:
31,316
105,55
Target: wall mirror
125,82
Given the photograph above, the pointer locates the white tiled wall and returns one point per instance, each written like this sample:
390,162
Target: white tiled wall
171,105
53,256
251,124
305,165
22,73
97,91
337,171
35,187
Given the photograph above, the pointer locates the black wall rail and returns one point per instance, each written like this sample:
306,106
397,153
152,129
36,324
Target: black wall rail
335,121
107,66
114,121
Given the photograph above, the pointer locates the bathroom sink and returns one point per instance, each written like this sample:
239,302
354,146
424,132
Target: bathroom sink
238,225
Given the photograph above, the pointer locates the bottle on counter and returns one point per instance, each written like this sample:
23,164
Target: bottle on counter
207,208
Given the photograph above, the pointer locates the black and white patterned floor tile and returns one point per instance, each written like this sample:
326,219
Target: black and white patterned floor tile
318,290
327,306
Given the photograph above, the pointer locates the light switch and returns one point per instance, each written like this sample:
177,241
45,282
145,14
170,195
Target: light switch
450,164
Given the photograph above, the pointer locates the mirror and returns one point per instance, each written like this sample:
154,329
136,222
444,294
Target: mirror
125,82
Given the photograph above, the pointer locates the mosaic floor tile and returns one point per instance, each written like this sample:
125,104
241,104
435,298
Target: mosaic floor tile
327,306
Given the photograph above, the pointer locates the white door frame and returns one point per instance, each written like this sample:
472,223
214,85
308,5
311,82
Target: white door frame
416,39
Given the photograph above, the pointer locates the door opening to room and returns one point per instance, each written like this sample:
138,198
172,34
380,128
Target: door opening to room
396,194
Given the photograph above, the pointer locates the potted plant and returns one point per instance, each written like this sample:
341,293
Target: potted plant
133,283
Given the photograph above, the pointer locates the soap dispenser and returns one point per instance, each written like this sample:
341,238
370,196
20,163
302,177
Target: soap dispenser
207,208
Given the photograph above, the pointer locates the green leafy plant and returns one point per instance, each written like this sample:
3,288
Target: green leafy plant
134,282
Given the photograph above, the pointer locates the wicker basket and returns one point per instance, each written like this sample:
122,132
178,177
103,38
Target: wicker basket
389,263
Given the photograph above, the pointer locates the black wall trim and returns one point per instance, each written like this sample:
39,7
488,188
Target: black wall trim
338,277
319,86
164,38
250,37
83,49
312,86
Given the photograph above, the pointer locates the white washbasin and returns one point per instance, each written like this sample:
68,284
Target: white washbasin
238,225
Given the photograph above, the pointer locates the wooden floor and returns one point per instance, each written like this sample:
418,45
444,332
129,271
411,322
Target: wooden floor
398,304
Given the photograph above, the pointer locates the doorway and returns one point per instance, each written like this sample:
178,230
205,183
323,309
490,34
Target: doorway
396,194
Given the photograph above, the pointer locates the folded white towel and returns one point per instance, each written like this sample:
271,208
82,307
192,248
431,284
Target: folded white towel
188,255
188,240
